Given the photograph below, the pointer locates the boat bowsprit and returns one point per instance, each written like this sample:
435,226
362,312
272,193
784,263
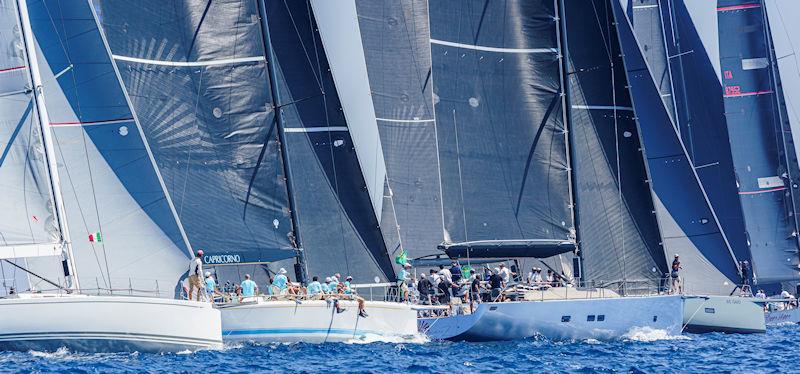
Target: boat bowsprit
83,323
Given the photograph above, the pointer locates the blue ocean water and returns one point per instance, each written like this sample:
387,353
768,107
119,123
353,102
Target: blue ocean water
775,351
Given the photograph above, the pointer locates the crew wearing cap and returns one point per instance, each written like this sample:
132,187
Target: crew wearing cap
347,289
281,281
326,287
196,274
211,285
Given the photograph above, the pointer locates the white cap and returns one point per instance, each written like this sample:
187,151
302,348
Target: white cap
502,265
496,270
328,279
282,271
208,274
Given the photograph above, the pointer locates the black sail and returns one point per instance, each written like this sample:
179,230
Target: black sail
618,229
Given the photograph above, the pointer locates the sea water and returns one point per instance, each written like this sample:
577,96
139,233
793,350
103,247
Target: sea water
641,351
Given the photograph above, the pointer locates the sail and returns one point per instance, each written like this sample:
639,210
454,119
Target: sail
646,21
396,39
499,119
331,137
694,49
197,78
785,35
619,237
756,138
688,224
28,223
124,232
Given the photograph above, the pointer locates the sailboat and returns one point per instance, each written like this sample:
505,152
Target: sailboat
91,251
507,107
670,61
270,151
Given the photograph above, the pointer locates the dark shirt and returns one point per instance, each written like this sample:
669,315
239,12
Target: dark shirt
455,271
444,288
496,281
424,286
476,285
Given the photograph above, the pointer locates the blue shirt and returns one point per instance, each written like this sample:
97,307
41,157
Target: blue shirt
248,288
347,288
326,287
211,285
401,277
314,288
280,281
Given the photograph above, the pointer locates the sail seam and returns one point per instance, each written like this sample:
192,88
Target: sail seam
602,107
228,61
315,129
406,120
493,49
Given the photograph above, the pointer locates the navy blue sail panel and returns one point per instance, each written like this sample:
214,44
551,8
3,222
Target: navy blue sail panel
118,213
502,144
687,222
396,41
756,139
338,224
618,230
701,120
197,78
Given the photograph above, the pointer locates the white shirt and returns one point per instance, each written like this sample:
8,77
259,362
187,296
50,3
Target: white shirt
445,273
786,295
505,274
761,295
196,267
435,279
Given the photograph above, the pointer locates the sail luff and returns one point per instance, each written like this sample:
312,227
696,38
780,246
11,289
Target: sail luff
45,126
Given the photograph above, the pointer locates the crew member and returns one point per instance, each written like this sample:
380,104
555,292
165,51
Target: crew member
196,274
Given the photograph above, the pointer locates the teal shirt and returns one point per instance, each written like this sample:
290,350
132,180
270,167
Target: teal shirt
314,288
280,281
347,288
248,288
211,285
326,288
401,277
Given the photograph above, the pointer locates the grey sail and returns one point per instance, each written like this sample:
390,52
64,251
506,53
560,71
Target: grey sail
28,222
757,140
335,176
688,223
396,39
500,121
197,77
125,233
619,235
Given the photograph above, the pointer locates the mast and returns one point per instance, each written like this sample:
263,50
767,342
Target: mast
44,124
567,113
273,77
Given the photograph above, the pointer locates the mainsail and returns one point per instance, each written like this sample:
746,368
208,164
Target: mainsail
618,231
688,223
757,140
503,151
125,233
396,39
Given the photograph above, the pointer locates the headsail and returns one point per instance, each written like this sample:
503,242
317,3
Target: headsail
757,140
619,237
688,223
396,39
125,232
28,222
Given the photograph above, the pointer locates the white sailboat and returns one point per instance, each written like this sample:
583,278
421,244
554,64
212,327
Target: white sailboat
272,144
54,173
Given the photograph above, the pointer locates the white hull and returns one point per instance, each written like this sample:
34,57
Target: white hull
560,319
314,321
730,314
107,324
783,316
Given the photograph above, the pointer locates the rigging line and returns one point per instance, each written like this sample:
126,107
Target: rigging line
480,23
57,144
303,45
260,160
79,114
197,30
415,62
60,287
